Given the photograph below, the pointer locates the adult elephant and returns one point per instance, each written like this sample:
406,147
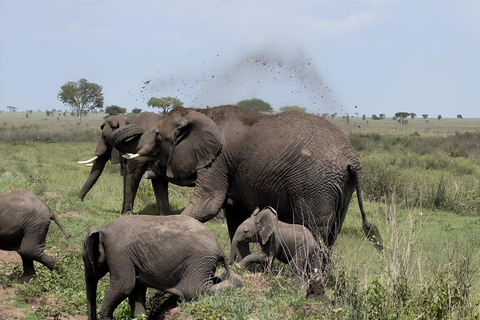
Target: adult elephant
132,170
300,164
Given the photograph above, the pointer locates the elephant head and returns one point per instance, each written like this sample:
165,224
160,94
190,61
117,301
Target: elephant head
104,152
183,141
93,255
258,228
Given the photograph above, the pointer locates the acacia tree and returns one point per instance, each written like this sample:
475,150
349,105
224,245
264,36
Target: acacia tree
114,110
402,117
166,103
256,104
81,96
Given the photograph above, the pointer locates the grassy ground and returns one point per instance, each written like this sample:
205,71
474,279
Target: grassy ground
422,191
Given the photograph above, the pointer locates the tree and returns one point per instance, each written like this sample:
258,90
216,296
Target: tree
136,110
425,116
375,117
114,110
293,108
324,115
402,117
439,117
12,108
166,103
81,96
256,104
413,115
459,116
382,116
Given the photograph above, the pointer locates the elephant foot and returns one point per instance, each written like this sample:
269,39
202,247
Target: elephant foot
24,279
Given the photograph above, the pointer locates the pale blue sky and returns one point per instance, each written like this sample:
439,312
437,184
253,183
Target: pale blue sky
365,56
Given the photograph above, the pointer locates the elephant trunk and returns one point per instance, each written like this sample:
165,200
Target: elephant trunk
233,251
95,173
122,137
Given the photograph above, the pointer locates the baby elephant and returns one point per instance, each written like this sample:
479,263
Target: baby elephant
290,243
24,222
176,254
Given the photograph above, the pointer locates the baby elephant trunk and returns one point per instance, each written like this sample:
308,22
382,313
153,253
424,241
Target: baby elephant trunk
233,251
240,241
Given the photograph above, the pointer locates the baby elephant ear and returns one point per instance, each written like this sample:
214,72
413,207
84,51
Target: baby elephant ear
256,211
197,144
267,224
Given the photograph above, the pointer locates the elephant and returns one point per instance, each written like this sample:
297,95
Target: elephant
132,170
24,222
292,244
175,253
300,164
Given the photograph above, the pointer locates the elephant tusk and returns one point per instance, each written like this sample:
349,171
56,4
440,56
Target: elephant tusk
90,164
88,161
136,156
130,156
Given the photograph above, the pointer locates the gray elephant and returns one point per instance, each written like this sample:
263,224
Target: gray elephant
299,163
24,222
132,170
176,254
292,244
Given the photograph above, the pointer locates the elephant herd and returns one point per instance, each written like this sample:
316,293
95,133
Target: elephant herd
298,168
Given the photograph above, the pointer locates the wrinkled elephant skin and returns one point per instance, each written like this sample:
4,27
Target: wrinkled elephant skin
176,254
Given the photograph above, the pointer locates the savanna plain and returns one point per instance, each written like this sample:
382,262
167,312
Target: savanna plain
421,186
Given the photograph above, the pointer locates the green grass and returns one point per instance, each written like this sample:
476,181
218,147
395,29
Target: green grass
424,198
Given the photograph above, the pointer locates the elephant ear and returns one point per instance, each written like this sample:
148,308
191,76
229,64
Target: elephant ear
197,142
267,223
93,249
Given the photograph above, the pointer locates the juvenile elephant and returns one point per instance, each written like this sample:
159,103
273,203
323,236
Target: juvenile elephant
292,244
301,164
132,170
24,222
176,254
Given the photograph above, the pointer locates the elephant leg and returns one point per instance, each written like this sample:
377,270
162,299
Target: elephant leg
226,282
121,287
258,257
160,187
131,180
33,245
28,270
235,216
137,300
299,267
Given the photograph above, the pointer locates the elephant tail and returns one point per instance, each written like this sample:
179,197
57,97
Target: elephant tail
370,230
54,218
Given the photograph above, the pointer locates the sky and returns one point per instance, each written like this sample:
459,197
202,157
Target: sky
328,56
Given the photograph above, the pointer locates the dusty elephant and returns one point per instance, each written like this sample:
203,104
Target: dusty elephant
24,222
176,254
292,244
300,164
132,170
